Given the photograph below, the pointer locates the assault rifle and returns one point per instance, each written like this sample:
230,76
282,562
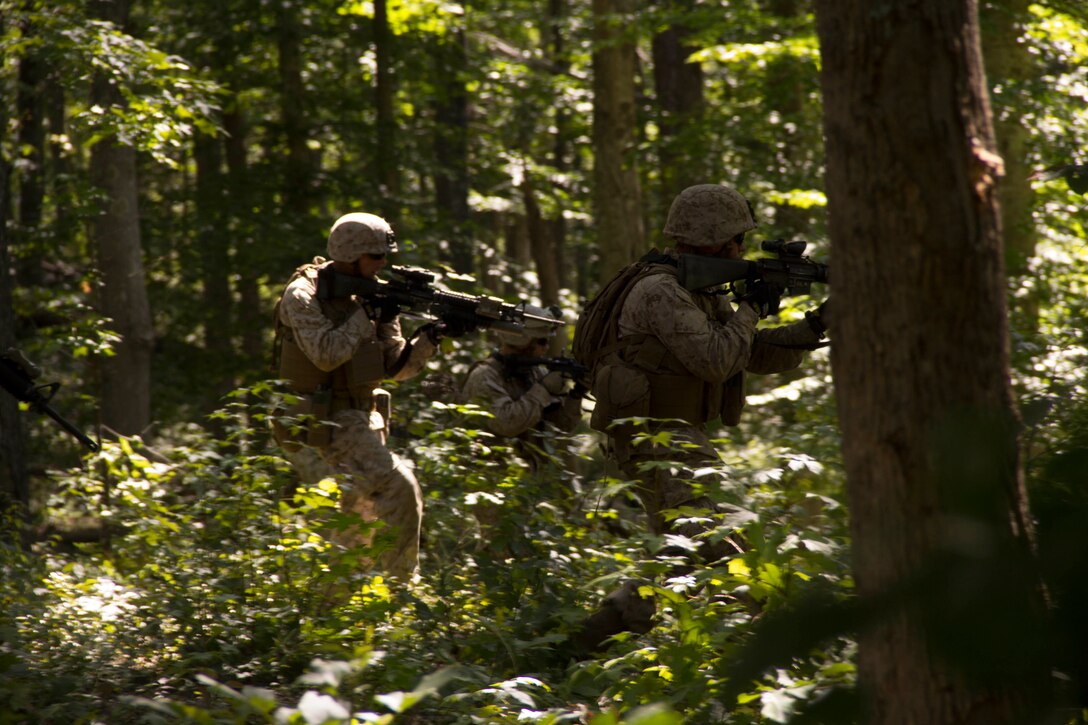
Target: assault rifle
790,272
17,375
413,289
567,365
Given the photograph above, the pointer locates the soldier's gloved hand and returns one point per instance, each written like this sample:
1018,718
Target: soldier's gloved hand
457,327
555,382
387,310
762,297
433,331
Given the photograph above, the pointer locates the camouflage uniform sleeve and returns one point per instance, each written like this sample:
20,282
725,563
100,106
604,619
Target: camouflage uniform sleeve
713,345
769,357
328,347
511,416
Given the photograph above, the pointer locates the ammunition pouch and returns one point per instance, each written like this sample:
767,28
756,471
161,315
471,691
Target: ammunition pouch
621,391
365,369
625,391
296,368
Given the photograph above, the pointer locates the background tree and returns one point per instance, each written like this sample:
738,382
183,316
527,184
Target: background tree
126,378
616,193
921,330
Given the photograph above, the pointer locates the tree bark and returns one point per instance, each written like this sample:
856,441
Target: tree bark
215,261
14,484
298,172
921,365
678,86
30,113
238,176
617,194
385,150
125,377
1009,65
451,185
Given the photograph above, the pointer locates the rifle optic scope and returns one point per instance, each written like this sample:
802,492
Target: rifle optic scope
783,248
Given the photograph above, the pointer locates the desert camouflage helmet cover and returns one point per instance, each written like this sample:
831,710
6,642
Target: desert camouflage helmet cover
533,329
708,214
358,233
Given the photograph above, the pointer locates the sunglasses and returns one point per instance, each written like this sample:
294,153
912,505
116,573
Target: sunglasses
375,257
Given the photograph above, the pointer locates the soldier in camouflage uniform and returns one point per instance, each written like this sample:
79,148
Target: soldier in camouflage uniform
684,356
335,353
523,400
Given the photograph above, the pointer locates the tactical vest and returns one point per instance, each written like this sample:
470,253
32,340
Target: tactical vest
351,385
636,375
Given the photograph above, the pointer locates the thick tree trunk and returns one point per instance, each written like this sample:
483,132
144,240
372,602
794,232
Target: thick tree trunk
125,377
617,196
921,364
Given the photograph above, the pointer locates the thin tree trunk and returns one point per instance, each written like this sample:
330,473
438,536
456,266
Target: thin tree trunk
1009,64
125,377
385,150
249,309
451,185
921,365
14,485
679,89
30,113
617,196
215,261
297,176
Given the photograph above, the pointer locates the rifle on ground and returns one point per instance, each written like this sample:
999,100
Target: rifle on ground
790,272
17,375
413,288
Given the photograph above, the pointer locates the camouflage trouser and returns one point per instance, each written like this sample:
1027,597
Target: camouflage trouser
659,489
375,483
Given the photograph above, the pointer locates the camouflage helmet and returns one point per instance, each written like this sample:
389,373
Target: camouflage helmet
357,233
706,215
533,329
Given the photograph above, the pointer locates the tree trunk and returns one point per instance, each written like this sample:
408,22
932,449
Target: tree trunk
249,310
30,110
14,485
451,185
617,197
385,151
921,365
560,65
126,377
542,244
215,262
679,89
297,177
1009,65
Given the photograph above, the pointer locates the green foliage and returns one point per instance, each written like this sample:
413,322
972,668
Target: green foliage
218,595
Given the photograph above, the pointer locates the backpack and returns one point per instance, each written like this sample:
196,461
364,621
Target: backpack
596,331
